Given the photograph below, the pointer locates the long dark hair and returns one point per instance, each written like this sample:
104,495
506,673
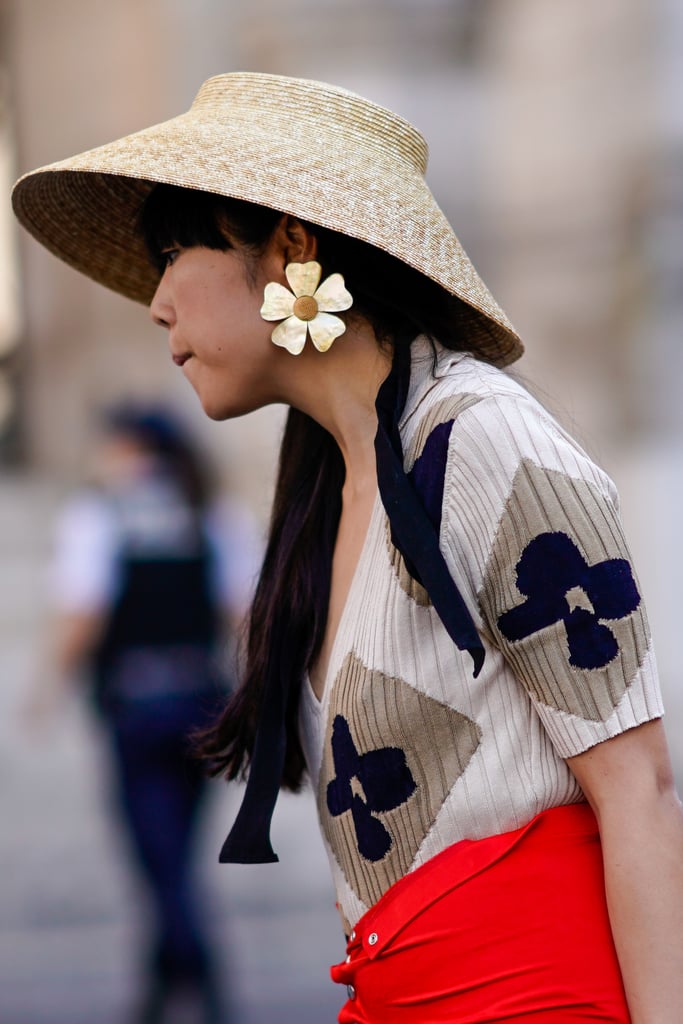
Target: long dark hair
293,590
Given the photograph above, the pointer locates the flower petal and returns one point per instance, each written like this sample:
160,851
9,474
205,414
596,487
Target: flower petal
303,277
277,302
332,296
291,334
324,329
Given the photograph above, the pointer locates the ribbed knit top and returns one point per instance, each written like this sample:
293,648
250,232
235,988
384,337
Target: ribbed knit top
407,752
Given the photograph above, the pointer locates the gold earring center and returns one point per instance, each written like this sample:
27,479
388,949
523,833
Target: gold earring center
305,308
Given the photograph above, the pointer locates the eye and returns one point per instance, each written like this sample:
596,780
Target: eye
168,257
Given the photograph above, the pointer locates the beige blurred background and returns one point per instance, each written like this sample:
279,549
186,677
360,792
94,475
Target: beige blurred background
556,138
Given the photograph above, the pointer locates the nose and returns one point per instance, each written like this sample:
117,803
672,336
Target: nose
160,308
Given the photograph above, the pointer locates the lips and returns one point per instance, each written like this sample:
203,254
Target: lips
180,360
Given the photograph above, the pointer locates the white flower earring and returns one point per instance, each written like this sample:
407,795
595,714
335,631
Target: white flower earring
307,309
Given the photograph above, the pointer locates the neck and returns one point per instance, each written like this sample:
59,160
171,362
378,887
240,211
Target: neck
338,388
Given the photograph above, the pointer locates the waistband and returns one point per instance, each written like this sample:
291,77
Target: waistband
456,865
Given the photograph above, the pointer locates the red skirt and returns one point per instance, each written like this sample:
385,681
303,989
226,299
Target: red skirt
506,929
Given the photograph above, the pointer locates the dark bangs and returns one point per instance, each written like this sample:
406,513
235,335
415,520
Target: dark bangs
174,216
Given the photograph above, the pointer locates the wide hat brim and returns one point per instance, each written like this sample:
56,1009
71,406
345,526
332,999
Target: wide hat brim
312,150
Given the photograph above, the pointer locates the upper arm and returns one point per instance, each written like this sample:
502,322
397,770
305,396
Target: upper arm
83,573
632,769
532,528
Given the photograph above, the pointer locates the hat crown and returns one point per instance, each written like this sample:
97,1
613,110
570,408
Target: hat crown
310,107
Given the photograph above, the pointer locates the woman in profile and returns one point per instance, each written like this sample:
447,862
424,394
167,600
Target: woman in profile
448,633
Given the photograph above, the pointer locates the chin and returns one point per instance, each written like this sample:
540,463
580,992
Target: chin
219,409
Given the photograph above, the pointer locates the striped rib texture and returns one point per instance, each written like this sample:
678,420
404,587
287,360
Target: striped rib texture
407,752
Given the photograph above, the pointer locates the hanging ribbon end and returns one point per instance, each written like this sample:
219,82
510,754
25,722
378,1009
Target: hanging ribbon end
478,655
241,849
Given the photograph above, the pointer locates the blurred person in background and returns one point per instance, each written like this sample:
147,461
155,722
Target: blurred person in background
447,632
151,577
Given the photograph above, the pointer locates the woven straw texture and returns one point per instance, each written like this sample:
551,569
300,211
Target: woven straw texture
312,150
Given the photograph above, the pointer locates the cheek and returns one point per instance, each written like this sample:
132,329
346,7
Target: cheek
232,376
237,329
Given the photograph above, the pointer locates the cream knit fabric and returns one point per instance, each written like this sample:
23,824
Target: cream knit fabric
407,752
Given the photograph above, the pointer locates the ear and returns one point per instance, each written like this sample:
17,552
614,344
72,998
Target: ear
296,242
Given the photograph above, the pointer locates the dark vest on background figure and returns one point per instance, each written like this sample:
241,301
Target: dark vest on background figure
161,637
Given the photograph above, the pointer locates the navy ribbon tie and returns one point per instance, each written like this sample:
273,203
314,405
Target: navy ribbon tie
416,538
249,839
412,531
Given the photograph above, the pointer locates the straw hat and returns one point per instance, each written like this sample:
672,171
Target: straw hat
318,152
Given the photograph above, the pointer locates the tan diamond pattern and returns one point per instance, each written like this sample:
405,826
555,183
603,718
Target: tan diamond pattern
384,711
544,500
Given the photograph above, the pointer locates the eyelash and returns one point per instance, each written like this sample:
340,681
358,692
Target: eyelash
168,257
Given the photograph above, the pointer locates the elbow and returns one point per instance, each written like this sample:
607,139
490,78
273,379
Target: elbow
667,795
665,782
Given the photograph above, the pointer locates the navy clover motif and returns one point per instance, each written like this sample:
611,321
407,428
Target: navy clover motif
429,472
367,784
560,586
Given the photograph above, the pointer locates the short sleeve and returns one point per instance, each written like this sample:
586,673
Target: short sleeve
531,529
